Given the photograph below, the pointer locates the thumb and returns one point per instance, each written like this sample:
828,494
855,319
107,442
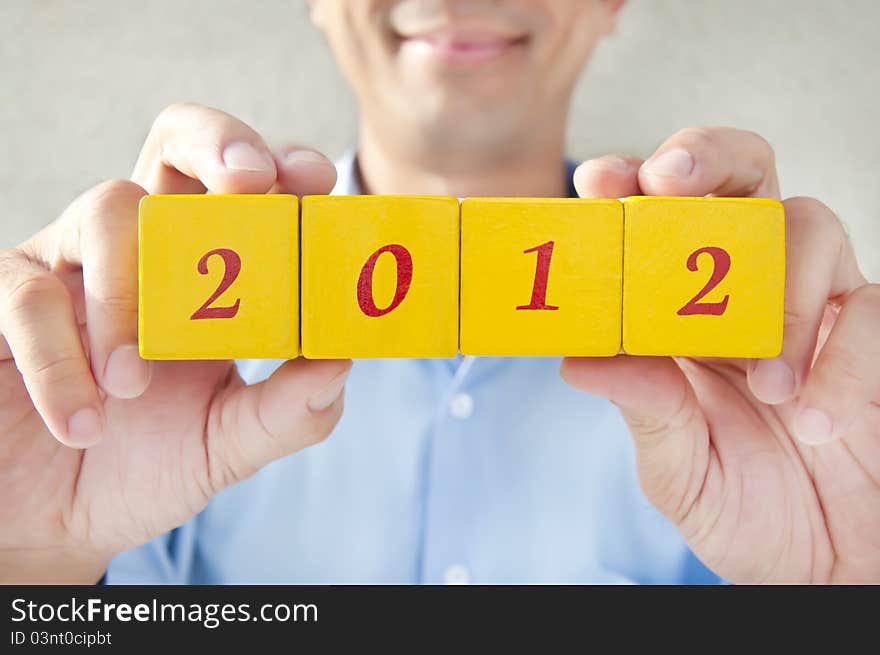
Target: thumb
251,426
611,176
303,171
667,425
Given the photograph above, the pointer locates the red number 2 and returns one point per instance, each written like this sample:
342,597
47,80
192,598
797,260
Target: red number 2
542,273
232,263
721,260
365,280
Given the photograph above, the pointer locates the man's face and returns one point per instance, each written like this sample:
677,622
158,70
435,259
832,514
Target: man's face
463,74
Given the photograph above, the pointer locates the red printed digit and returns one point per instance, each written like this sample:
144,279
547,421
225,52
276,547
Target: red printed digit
542,273
232,263
721,260
365,281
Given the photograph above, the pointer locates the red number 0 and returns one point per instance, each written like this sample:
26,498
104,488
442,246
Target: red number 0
365,280
232,262
721,259
542,272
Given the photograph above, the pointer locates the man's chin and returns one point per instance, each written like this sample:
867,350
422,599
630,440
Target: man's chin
472,138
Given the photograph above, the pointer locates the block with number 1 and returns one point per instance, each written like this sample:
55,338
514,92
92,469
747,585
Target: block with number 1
541,276
218,277
703,277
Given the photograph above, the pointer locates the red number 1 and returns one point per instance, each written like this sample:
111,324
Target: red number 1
542,273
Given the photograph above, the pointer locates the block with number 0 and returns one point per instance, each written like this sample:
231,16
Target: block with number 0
218,276
703,277
379,276
541,276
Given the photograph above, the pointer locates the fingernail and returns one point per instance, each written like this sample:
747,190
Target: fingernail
772,381
241,156
812,426
84,427
126,375
295,157
672,163
329,394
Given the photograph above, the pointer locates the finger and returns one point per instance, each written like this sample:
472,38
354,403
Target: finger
846,376
98,232
820,264
192,148
610,176
303,172
719,161
39,324
659,406
296,407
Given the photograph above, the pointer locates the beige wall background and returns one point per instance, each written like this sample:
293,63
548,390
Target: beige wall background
81,81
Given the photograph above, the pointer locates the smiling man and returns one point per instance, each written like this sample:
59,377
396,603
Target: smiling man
464,98
654,470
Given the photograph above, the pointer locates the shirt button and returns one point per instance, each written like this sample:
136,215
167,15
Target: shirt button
461,406
457,574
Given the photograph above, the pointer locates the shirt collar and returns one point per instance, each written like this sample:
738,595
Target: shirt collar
348,176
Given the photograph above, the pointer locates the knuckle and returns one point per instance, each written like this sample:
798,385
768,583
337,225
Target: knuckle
224,469
762,145
112,194
193,116
811,209
110,214
56,370
33,290
10,260
169,112
816,217
109,206
798,319
698,137
116,303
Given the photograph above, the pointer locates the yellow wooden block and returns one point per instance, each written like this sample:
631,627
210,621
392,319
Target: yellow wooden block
541,276
379,276
218,277
703,277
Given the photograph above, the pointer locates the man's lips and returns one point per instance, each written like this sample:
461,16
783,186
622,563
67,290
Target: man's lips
463,48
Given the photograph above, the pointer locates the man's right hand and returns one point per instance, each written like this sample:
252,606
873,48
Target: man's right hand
100,450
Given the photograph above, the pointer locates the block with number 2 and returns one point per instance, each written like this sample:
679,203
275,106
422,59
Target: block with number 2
218,277
703,277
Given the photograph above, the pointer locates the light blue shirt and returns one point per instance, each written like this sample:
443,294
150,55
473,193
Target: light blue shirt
472,469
